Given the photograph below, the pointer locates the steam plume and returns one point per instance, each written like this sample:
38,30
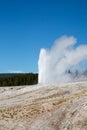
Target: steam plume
54,62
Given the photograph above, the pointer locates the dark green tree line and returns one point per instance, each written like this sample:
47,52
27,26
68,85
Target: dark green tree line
20,79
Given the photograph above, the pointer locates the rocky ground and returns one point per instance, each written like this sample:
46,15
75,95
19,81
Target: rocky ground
44,107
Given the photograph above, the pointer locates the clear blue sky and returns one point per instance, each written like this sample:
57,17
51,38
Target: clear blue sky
28,25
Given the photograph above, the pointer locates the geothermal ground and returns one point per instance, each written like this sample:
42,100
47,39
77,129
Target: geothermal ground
48,107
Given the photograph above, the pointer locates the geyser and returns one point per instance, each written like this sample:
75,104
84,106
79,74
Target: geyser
63,55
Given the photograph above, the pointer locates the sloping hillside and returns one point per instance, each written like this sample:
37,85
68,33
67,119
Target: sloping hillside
53,107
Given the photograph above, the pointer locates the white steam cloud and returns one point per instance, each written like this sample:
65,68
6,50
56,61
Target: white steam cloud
63,55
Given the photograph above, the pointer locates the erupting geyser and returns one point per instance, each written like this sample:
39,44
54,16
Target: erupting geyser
54,62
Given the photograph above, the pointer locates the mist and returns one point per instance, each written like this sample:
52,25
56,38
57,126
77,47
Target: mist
63,55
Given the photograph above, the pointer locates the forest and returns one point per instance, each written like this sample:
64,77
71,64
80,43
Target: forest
18,79
14,79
